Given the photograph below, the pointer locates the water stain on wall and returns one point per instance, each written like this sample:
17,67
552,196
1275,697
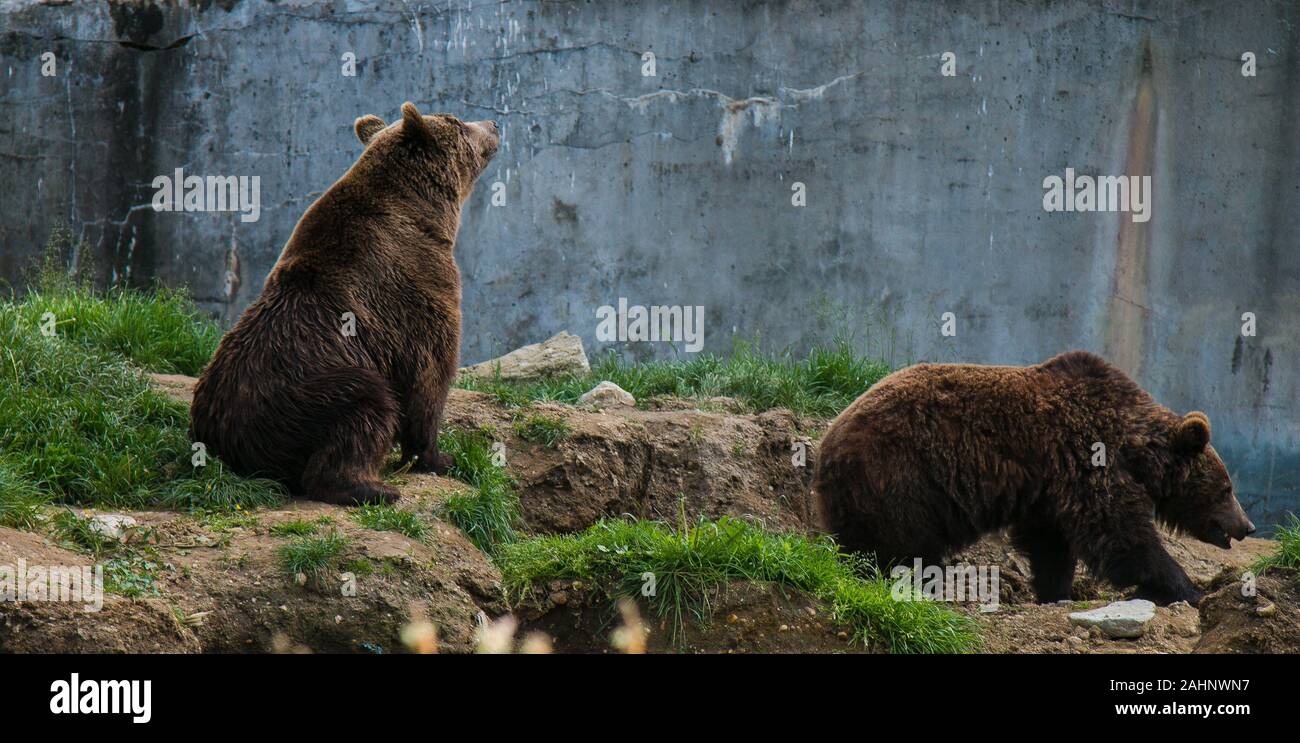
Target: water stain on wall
1129,310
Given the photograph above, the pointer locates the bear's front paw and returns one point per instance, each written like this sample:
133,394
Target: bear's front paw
1190,594
438,463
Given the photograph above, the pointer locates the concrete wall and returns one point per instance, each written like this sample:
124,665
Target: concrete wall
924,192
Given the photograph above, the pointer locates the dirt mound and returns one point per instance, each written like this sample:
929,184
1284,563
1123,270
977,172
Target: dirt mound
742,618
1266,620
644,462
121,626
222,588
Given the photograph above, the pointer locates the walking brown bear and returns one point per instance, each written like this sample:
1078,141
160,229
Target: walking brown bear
304,392
936,455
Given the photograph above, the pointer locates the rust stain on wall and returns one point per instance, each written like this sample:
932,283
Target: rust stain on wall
1128,313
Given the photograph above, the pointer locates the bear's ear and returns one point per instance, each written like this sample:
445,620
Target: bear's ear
1193,433
412,122
368,126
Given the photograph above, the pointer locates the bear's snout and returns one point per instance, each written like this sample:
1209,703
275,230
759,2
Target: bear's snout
1243,530
1232,525
1239,524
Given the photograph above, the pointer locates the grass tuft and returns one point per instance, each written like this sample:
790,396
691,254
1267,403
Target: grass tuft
390,518
489,515
691,564
542,429
1287,556
212,487
312,556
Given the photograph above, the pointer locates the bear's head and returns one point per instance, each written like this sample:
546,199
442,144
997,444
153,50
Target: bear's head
1198,497
441,149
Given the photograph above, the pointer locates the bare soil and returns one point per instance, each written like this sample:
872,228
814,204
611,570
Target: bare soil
225,590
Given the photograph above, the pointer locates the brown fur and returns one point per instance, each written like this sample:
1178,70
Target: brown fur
288,395
936,455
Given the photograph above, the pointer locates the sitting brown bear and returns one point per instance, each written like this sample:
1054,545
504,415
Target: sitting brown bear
355,338
936,455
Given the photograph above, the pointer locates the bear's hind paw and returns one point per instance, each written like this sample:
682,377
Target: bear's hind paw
361,494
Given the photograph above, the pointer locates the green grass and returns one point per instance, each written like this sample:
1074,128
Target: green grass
489,515
22,504
79,424
1288,550
312,556
691,564
160,330
821,384
542,429
389,518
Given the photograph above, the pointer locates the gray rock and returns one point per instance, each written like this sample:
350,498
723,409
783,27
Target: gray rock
607,395
1122,619
112,525
558,355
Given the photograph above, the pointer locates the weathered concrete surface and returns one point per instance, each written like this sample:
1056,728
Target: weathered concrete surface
924,192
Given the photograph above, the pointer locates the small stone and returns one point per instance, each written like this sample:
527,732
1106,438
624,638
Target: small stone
300,579
559,598
732,619
607,395
112,525
785,628
811,611
1121,619
1267,610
